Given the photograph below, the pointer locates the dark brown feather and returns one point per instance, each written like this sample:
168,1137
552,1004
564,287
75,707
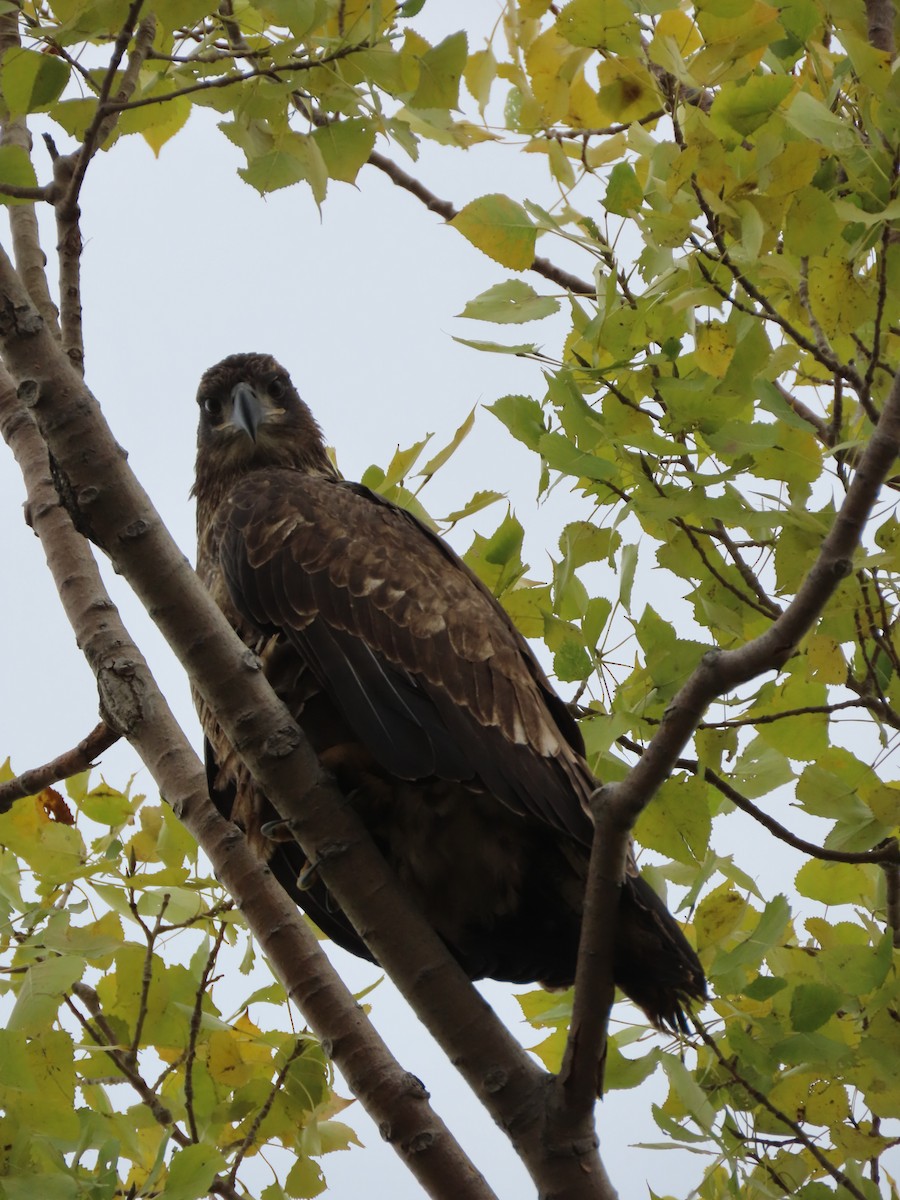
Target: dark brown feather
419,696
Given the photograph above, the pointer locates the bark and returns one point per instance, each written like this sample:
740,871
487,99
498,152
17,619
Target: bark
108,505
395,1099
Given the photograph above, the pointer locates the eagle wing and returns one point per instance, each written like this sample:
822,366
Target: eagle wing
418,657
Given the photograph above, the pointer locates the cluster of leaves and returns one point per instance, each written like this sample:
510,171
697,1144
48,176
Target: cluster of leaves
727,174
109,952
708,405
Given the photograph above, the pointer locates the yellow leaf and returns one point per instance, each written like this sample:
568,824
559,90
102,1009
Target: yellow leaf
500,228
826,659
715,348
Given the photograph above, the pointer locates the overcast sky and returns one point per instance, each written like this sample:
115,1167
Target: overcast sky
184,264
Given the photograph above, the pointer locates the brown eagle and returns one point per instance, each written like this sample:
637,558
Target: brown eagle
419,697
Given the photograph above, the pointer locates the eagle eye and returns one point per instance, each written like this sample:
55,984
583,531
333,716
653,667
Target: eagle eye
277,388
212,406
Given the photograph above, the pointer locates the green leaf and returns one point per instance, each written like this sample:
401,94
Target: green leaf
500,228
510,303
15,170
744,107
752,950
31,81
811,118
441,69
437,461
624,194
345,146
836,882
295,158
812,1004
523,417
192,1171
677,821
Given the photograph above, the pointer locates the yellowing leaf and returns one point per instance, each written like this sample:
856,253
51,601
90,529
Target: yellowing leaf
441,69
677,821
510,303
500,228
715,348
826,659
812,225
718,914
836,882
611,25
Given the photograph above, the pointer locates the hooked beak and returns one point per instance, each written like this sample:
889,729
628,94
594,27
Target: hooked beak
246,411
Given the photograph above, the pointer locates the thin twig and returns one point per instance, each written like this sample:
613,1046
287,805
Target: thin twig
196,1019
443,208
64,766
799,1132
103,120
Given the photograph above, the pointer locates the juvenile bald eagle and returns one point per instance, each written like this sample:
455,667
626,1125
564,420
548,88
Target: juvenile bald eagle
419,697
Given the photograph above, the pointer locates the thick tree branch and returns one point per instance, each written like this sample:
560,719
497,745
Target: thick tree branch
396,1101
64,766
719,672
112,507
722,670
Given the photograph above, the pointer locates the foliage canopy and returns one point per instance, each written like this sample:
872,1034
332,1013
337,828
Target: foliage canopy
726,213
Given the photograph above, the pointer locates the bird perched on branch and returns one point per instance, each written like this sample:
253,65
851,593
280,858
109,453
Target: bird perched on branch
419,697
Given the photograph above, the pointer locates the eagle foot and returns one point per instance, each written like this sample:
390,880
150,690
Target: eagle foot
277,831
307,876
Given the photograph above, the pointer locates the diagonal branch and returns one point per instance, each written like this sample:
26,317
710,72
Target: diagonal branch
110,505
618,806
395,1100
64,766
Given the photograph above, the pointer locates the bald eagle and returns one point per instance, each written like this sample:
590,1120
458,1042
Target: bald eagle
420,698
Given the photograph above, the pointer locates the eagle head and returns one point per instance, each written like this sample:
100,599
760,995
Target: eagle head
250,417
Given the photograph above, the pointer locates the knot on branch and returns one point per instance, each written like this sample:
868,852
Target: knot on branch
495,1080
423,1140
414,1087
121,695
842,567
282,742
135,530
29,392
250,660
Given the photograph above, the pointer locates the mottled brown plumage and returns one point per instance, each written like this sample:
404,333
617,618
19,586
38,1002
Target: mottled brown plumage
418,695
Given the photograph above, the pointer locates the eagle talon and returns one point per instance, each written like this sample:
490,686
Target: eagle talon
277,831
307,876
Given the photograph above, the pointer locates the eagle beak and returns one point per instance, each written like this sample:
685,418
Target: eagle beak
246,412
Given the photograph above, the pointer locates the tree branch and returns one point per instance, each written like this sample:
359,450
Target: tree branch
29,257
64,766
111,506
798,1131
395,1100
718,672
443,208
